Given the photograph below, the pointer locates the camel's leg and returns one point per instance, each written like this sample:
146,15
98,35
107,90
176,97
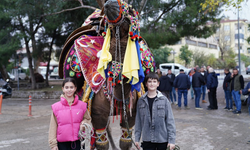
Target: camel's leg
100,114
125,139
111,140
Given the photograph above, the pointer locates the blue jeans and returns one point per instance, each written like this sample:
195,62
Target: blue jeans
180,92
249,109
192,91
197,92
228,97
173,96
237,100
203,91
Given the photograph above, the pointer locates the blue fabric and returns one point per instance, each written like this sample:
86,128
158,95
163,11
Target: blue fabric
203,91
212,80
173,95
237,100
228,97
192,91
180,92
141,75
197,91
182,82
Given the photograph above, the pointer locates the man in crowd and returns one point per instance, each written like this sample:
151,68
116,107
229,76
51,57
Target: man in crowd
166,85
197,81
182,85
226,88
236,84
203,86
212,84
159,72
190,76
172,94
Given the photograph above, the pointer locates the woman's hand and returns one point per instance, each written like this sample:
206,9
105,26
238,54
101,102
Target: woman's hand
137,144
55,148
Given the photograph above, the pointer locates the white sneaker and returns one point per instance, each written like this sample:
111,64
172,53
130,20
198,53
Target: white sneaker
198,108
176,103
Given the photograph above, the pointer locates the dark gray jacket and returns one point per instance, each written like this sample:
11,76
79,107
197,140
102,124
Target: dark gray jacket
161,128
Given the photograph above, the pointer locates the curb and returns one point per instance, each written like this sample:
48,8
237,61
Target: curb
37,94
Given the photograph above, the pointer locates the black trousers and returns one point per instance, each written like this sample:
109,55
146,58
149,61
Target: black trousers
76,145
154,146
213,98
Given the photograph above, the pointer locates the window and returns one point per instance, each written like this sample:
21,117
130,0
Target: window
190,42
213,46
227,38
241,36
248,50
166,67
176,67
226,28
201,44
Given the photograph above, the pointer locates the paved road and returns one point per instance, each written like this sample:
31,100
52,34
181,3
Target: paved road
196,129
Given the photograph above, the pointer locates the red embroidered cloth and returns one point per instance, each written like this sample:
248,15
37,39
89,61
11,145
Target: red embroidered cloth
87,48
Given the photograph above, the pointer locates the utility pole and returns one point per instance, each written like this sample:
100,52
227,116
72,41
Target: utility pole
239,40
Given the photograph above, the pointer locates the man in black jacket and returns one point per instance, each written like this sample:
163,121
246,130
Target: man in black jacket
226,88
165,85
204,86
182,85
197,81
172,94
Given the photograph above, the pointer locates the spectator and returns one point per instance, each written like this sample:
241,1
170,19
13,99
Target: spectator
236,84
212,84
197,81
172,94
182,85
166,85
246,91
159,73
226,88
190,75
204,86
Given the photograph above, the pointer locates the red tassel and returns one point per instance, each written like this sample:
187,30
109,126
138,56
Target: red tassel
136,36
137,12
110,79
119,81
110,72
104,33
141,49
131,33
113,84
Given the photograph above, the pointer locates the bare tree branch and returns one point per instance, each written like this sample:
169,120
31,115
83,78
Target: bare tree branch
126,1
70,9
80,1
142,5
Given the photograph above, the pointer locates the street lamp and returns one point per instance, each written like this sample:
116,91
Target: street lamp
239,40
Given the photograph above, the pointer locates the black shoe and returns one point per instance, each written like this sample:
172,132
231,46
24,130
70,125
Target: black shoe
237,112
226,108
210,108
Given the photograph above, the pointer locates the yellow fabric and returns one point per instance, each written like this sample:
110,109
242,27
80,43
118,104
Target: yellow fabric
105,57
131,62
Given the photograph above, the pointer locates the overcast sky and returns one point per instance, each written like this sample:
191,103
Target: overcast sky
244,12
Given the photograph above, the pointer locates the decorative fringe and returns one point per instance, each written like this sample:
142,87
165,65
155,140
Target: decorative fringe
84,89
142,92
86,95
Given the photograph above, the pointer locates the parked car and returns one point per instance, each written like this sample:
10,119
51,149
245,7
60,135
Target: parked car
248,70
54,74
12,77
18,73
174,67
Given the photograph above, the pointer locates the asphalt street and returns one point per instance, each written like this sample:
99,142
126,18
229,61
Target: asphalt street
196,129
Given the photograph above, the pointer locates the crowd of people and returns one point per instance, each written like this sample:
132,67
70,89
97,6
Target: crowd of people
200,81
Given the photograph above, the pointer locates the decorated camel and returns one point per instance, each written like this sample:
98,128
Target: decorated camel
109,59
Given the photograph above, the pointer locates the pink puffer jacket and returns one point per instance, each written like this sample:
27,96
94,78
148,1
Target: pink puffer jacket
68,118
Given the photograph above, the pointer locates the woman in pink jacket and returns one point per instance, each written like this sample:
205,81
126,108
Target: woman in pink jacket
68,117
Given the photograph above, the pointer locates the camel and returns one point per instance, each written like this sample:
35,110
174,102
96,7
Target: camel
102,105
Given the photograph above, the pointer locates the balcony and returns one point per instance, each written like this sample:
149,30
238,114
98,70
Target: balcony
241,41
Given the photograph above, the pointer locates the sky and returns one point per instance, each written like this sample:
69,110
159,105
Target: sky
232,13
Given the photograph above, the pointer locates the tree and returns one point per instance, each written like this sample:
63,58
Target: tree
245,59
185,55
166,22
223,36
230,59
200,58
213,4
161,55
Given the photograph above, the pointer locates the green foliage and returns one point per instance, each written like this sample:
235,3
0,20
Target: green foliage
185,55
211,5
200,58
166,22
230,59
245,59
161,55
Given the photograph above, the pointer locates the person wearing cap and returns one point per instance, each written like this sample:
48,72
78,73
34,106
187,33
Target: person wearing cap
182,85
197,81
212,84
